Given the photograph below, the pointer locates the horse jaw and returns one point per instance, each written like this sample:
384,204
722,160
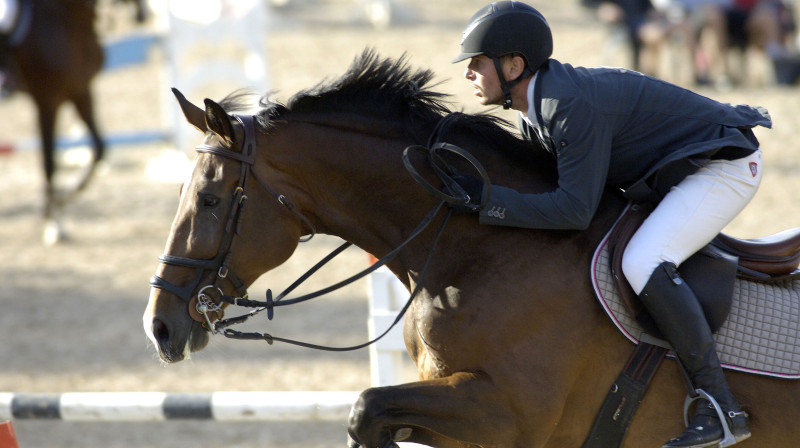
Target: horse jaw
174,338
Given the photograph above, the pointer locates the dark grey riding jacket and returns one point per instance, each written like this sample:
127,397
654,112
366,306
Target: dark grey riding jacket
611,127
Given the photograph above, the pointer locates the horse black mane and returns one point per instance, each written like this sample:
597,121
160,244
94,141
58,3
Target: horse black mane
390,89
372,86
380,87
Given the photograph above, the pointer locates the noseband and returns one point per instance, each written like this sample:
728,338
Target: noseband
207,300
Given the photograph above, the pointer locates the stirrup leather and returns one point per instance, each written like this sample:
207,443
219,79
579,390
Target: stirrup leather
728,438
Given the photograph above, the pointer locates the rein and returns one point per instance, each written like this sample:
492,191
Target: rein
204,303
453,194
270,303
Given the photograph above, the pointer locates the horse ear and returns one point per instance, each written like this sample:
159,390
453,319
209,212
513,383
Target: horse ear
218,121
194,115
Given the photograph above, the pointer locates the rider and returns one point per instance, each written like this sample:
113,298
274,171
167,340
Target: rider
696,158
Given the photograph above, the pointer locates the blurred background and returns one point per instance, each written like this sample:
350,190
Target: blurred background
70,311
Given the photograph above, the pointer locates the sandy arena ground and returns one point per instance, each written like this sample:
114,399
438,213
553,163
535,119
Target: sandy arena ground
70,315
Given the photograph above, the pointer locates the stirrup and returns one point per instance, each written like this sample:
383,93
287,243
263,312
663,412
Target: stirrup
728,438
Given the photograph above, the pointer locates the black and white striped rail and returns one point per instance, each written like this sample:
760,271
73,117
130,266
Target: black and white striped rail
160,406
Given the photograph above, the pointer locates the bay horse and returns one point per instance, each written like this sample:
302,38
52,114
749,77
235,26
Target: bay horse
54,57
511,346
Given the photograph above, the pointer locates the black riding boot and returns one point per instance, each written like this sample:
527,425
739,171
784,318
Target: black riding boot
678,315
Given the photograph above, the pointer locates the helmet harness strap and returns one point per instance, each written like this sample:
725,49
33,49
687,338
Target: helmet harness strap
507,85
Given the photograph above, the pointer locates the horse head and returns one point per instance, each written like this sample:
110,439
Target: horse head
200,264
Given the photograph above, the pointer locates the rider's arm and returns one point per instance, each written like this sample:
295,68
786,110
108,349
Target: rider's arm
583,147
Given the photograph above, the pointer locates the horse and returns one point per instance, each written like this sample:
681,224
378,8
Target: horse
511,346
54,54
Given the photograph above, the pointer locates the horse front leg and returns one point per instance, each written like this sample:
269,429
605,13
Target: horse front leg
84,106
461,410
47,123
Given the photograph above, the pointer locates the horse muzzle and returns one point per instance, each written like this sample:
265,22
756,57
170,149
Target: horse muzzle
170,329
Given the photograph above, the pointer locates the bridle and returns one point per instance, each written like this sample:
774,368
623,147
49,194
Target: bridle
204,301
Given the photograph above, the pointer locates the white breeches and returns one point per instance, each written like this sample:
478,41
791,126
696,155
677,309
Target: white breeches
691,214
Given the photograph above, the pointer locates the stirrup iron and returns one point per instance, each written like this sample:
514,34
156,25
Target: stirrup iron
728,438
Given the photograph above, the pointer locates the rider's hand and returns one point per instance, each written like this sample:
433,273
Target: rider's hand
473,187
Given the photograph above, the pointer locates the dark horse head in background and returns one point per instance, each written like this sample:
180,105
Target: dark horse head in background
511,346
54,55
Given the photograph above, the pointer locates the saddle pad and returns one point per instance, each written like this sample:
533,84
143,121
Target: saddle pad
760,335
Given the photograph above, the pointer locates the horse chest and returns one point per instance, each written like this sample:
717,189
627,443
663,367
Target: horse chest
441,331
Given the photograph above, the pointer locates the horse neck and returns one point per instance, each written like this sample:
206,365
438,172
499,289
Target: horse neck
349,179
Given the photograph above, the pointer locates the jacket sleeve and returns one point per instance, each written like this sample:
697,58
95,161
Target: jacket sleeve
582,140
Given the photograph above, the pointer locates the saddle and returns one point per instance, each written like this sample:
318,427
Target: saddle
712,270
725,268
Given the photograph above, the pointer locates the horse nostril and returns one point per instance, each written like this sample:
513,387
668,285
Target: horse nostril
160,332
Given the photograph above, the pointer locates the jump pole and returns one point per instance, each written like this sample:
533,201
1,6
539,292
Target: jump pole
161,406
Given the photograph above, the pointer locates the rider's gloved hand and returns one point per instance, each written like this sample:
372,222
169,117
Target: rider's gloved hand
473,187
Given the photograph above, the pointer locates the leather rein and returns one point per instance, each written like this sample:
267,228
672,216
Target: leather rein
209,299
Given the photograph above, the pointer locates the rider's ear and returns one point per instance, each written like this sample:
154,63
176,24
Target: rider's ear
194,115
218,121
516,67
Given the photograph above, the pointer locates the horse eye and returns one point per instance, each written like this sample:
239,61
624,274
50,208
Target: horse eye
209,201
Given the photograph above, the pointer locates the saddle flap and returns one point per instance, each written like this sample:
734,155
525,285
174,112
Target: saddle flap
710,273
620,236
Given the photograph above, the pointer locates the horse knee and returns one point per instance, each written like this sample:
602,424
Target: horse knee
364,411
364,424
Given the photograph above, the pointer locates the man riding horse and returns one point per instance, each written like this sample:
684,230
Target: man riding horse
696,160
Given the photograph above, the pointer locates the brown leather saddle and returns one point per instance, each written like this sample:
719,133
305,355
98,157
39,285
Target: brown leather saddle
712,270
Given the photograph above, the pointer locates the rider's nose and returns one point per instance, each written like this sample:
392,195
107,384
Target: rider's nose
468,74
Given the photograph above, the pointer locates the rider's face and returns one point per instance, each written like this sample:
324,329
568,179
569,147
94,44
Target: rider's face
482,77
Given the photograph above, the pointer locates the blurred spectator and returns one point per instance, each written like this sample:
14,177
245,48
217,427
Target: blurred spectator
709,29
646,28
767,25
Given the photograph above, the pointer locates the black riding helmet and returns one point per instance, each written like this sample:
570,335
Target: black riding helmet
508,27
